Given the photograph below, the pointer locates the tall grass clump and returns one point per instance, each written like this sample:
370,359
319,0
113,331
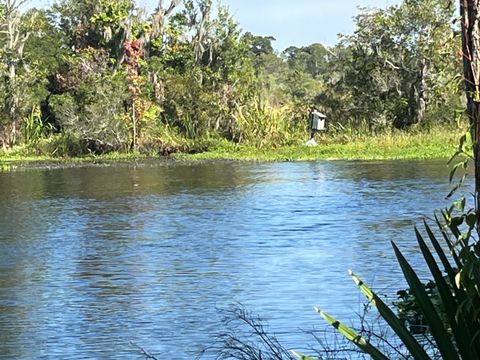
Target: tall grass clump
264,126
34,128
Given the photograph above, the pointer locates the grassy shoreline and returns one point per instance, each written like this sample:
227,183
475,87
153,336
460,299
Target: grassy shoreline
388,146
393,146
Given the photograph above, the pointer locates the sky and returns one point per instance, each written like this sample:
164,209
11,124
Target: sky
297,23
300,22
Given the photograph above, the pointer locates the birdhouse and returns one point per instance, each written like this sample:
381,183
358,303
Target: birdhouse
317,120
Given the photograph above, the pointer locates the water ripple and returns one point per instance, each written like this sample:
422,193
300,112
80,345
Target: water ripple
94,258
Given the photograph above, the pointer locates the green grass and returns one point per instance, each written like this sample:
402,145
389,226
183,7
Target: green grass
18,155
430,145
439,143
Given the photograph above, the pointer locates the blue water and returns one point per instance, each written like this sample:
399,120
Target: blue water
95,259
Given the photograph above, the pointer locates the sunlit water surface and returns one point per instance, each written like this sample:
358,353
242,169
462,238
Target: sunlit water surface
95,258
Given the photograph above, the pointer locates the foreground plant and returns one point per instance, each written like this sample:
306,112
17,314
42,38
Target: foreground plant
458,290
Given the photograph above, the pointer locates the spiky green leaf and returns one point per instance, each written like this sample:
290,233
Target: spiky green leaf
440,335
353,336
395,323
457,322
302,357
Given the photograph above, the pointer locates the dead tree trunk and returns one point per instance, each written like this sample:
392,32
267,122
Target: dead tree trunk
470,12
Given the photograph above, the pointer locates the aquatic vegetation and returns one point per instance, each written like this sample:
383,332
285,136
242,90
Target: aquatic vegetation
7,167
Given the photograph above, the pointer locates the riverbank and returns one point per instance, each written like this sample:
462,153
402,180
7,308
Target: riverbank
432,145
387,146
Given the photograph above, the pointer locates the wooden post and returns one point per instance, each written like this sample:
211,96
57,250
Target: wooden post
470,12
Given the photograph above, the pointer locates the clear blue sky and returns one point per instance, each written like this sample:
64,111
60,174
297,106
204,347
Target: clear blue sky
300,22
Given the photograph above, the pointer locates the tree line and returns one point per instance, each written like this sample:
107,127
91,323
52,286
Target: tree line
100,75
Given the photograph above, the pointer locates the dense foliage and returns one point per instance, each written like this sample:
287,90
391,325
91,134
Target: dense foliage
95,76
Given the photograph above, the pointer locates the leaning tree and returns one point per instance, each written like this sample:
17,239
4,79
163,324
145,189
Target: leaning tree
470,13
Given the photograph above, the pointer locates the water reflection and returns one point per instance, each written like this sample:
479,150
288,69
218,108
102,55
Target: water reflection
95,257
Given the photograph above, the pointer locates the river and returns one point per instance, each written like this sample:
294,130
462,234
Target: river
96,258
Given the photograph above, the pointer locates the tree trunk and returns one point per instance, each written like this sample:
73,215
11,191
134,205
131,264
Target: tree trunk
470,12
11,99
422,92
134,123
411,117
417,100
